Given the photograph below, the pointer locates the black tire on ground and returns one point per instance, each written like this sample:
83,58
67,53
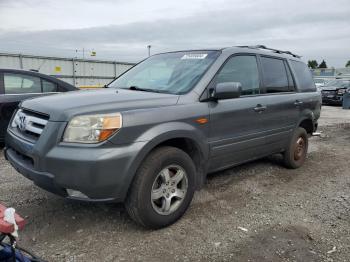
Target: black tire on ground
295,155
141,206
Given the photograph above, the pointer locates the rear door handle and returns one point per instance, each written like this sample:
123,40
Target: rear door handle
259,108
298,102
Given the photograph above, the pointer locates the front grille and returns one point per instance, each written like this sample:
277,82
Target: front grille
328,92
29,124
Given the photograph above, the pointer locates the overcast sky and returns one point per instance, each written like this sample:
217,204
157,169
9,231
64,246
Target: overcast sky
122,29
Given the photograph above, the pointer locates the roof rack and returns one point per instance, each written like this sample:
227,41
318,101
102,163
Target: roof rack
272,49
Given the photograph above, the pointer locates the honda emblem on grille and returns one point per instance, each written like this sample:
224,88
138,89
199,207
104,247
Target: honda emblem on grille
22,123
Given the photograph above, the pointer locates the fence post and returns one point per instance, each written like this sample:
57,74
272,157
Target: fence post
115,69
20,61
73,62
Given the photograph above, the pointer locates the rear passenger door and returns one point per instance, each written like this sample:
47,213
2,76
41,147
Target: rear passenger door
281,102
16,87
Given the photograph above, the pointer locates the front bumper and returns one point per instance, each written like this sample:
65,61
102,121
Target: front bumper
336,99
23,166
102,173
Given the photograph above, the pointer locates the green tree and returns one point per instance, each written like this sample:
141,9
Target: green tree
323,64
347,64
312,64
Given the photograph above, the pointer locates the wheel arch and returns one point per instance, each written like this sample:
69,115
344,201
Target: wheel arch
307,124
193,149
308,121
184,140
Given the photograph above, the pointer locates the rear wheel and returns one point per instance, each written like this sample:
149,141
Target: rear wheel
162,189
295,155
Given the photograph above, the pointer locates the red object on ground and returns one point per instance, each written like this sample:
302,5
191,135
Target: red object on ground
7,228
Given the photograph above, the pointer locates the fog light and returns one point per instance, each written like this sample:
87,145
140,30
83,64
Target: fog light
76,194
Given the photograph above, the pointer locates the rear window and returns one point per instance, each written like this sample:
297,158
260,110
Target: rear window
303,76
274,75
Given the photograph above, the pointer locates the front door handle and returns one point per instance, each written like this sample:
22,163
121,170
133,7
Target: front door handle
259,108
298,103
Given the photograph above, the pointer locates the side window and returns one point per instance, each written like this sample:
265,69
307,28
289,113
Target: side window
303,75
48,86
21,84
274,75
242,69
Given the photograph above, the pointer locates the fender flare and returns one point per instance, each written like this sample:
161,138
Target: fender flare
168,132
307,115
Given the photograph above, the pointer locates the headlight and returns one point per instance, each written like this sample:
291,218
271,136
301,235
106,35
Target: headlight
92,128
341,91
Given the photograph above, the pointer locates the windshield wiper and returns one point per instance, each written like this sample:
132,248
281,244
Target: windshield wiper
140,89
147,89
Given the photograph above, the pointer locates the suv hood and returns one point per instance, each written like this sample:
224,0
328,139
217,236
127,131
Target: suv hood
331,88
61,107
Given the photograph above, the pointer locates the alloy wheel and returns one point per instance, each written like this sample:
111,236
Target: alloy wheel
169,189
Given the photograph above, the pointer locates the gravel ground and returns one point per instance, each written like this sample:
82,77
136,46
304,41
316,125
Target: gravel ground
255,212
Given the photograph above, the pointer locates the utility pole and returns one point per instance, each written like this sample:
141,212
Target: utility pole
149,50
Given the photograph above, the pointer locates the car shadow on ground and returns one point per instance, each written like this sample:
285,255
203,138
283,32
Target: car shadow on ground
217,180
71,214
260,167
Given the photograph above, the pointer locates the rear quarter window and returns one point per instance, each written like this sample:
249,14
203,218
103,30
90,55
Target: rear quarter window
48,86
303,76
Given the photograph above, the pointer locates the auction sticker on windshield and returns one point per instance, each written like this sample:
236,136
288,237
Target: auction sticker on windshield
194,56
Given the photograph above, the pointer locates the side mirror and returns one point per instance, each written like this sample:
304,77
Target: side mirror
227,90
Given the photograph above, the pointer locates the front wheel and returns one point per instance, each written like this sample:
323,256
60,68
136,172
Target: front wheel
295,155
162,189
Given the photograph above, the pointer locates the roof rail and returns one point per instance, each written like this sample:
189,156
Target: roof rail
272,49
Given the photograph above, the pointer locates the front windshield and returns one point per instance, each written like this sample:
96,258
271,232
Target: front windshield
173,73
339,83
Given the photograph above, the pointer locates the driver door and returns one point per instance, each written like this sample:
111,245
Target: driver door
236,132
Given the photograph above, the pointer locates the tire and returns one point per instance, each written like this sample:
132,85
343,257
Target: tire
153,203
295,155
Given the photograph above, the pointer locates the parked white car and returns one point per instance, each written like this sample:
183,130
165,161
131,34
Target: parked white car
319,82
